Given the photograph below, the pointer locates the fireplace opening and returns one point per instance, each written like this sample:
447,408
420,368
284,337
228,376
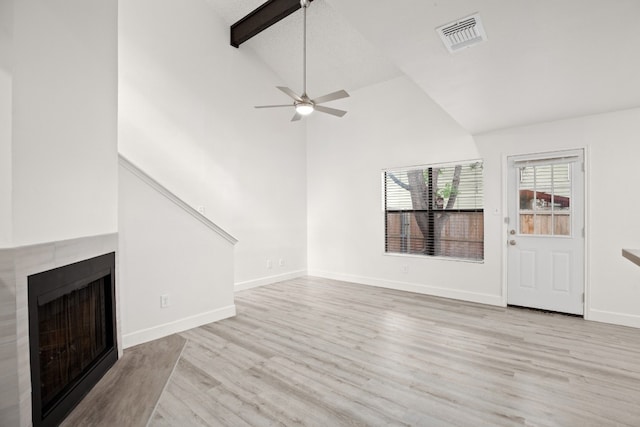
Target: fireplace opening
71,334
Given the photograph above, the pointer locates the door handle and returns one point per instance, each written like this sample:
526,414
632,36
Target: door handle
512,242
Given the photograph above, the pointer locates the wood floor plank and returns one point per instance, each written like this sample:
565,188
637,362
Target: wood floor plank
129,391
317,352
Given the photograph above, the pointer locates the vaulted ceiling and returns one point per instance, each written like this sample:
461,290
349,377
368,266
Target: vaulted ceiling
543,60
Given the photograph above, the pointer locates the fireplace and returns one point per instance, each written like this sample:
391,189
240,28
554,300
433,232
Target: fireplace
72,329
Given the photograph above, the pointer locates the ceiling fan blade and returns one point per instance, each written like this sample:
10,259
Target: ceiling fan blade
273,106
332,111
331,97
296,117
289,92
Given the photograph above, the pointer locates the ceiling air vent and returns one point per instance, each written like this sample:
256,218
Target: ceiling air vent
465,32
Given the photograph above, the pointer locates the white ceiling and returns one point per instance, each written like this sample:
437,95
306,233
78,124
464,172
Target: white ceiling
338,56
544,59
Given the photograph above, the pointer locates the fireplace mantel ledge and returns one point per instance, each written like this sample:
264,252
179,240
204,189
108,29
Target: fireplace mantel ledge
632,255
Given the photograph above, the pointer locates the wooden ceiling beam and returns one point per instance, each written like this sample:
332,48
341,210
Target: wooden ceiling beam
262,18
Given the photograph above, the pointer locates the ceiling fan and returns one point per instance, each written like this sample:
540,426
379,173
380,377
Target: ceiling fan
302,103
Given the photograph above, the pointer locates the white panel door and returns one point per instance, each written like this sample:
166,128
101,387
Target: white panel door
545,265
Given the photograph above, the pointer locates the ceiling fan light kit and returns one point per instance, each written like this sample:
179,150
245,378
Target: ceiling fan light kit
304,108
302,104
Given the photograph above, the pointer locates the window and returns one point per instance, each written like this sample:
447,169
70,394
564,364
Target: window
435,210
545,198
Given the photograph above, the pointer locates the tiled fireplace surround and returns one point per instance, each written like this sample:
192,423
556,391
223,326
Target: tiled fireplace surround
16,264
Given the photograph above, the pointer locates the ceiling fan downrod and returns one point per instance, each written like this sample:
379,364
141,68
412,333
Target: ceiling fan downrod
302,104
304,4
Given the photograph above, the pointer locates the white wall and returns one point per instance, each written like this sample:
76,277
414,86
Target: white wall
613,151
346,223
64,120
166,251
392,124
6,60
58,157
187,119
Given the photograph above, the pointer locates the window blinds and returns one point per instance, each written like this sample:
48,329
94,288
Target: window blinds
435,210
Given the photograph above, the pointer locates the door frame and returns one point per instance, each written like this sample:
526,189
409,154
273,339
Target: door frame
587,224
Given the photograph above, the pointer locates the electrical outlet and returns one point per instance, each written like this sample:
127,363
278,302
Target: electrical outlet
405,268
281,262
164,301
269,264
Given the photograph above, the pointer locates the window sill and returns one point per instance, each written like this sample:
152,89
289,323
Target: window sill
435,258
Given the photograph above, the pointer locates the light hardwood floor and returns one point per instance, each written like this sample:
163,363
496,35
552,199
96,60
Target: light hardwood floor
317,352
129,391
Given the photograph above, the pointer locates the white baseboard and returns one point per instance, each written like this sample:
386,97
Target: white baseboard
241,286
623,319
414,287
160,331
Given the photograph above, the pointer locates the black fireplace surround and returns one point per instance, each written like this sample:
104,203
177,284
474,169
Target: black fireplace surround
72,327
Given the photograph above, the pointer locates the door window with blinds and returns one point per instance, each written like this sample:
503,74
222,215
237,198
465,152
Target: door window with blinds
544,189
435,210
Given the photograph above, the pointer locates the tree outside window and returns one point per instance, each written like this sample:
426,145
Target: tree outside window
435,210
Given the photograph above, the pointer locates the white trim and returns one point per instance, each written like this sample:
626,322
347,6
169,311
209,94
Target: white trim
436,257
418,288
505,227
160,331
612,317
586,160
249,284
570,154
131,167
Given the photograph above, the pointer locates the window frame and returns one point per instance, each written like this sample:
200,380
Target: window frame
432,212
